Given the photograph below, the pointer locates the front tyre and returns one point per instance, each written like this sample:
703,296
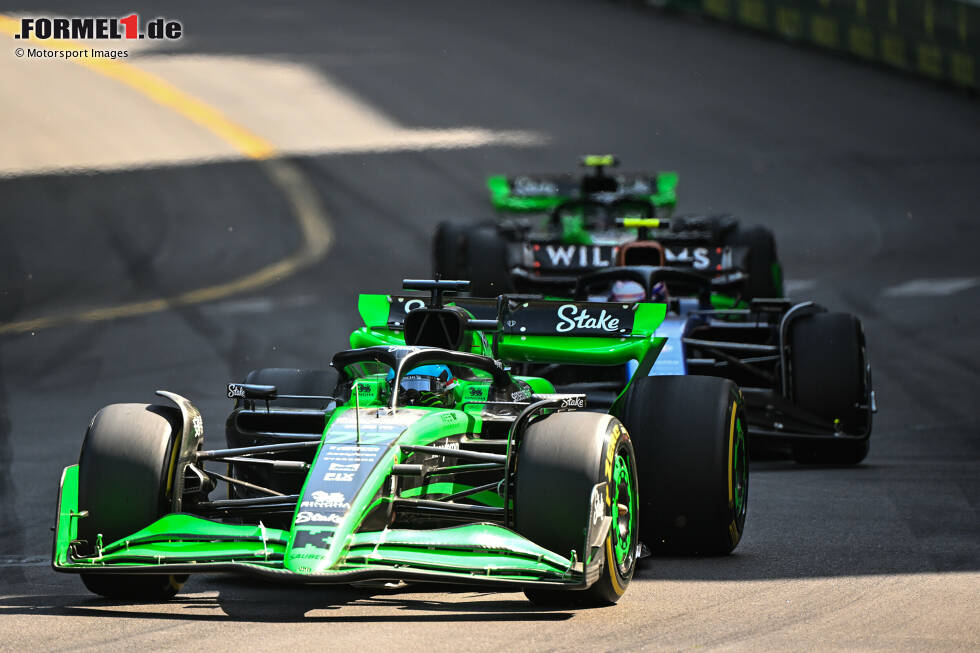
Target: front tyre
832,380
561,459
765,273
124,468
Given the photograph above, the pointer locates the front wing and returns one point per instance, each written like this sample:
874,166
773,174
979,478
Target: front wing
472,554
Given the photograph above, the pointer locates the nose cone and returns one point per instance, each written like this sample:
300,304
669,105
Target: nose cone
352,464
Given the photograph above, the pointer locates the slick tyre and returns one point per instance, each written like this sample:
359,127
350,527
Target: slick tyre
764,270
304,417
689,433
289,381
831,380
562,457
124,470
449,251
487,264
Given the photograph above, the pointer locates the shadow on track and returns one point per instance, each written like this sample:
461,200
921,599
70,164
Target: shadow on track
243,601
880,517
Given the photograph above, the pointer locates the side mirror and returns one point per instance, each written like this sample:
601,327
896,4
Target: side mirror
251,391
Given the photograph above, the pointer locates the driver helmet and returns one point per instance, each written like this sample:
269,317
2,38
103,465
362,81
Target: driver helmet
426,385
627,291
630,291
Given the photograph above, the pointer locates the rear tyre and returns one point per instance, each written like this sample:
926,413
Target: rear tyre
831,380
764,270
449,251
307,418
693,461
488,269
561,459
289,381
124,469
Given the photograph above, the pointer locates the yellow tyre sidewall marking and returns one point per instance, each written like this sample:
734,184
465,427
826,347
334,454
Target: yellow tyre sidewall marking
611,564
731,453
733,526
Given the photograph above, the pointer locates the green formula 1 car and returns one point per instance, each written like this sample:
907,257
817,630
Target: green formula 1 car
553,228
421,459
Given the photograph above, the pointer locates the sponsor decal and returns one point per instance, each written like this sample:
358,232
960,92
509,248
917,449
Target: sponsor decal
352,452
531,186
597,509
696,257
321,499
236,391
198,424
571,317
581,256
538,317
377,425
318,518
610,457
574,401
344,467
341,469
315,537
700,258
393,348
449,417
521,395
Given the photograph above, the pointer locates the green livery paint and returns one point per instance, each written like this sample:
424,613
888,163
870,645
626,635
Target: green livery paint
473,553
600,349
379,457
503,198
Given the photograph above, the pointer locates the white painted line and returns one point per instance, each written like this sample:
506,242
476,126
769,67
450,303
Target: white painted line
30,561
793,286
259,304
931,287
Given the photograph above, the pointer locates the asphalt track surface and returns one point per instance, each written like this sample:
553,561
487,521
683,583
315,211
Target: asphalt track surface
869,180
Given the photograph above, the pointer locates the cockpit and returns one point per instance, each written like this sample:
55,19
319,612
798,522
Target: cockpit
399,376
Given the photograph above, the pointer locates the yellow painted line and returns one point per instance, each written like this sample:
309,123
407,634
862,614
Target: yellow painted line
302,197
161,92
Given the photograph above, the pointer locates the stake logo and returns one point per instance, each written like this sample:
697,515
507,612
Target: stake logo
570,317
103,28
306,517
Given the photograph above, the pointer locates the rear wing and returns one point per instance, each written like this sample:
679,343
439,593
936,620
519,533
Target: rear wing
528,329
536,193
